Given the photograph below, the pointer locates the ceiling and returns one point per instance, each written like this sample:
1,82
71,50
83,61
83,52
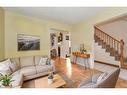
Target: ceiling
66,15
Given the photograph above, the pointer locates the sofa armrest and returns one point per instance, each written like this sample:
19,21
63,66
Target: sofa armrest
52,62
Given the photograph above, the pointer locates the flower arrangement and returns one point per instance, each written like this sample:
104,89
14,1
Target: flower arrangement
83,50
6,80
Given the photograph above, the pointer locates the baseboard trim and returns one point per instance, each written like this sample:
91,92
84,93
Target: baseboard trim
106,63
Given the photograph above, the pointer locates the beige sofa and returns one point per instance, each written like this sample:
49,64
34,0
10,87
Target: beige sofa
108,80
26,68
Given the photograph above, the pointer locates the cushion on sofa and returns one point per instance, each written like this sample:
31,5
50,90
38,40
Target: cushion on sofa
37,59
5,72
42,61
16,60
102,76
26,61
4,67
17,78
43,68
27,71
13,66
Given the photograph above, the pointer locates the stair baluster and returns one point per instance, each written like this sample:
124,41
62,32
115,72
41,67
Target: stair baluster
112,45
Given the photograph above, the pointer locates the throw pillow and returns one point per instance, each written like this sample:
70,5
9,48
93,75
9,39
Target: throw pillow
4,67
42,61
48,61
102,76
5,72
13,66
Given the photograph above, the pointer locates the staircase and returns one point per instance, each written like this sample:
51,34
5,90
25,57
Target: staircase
111,46
102,56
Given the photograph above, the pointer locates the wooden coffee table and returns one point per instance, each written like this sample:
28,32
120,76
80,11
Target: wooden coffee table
43,82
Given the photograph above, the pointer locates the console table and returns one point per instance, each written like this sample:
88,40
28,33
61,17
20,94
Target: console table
81,55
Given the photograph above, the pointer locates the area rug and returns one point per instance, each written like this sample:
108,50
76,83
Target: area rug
69,83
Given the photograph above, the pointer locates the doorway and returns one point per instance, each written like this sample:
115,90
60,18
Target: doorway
60,43
59,51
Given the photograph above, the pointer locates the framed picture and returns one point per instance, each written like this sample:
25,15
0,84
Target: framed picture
28,42
60,37
52,38
67,37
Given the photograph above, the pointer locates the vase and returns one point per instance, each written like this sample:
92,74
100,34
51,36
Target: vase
50,81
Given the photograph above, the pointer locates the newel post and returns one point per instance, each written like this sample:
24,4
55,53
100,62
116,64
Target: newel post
121,52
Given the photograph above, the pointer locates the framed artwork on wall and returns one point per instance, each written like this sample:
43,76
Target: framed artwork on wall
28,42
60,37
67,37
52,38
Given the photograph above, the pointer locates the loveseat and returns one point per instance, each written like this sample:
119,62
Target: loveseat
26,68
101,80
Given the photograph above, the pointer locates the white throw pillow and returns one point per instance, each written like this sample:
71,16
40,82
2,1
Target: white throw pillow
6,72
42,61
13,66
5,63
4,67
102,76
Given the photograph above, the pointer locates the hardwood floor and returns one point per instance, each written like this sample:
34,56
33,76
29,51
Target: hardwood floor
121,83
76,73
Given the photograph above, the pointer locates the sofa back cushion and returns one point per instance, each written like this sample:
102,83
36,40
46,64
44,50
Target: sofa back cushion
16,62
102,76
13,66
38,59
4,67
26,61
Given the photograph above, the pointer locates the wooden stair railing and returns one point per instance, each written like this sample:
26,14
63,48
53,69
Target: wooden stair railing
112,45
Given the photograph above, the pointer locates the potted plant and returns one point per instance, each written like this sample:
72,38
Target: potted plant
50,78
6,80
84,50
